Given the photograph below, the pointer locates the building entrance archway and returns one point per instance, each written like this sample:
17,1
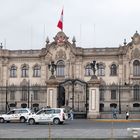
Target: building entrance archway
72,93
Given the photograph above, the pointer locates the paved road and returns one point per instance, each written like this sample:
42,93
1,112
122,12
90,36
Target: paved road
78,128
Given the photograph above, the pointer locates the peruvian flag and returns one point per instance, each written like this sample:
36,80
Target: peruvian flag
60,22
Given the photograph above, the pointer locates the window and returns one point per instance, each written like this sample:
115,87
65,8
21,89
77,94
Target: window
113,70
136,93
35,95
102,94
13,71
36,71
101,70
24,71
136,105
88,70
24,93
136,68
113,94
12,95
60,69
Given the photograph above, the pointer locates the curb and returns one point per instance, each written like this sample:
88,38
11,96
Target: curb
117,120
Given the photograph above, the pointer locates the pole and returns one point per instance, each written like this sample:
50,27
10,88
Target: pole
73,94
28,92
31,101
119,100
6,103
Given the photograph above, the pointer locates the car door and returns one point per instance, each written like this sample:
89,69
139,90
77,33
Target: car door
10,115
49,115
41,116
15,116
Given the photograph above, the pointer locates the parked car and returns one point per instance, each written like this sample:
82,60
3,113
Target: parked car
48,115
18,114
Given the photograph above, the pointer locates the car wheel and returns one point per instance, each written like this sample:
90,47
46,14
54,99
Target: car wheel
1,120
56,121
31,121
22,120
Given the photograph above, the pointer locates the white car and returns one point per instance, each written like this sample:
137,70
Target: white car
19,114
49,115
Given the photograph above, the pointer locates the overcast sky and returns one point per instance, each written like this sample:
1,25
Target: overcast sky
25,24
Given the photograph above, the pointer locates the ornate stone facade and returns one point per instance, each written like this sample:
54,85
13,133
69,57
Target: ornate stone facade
24,74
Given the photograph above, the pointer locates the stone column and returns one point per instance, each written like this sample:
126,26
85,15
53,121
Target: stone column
52,89
93,111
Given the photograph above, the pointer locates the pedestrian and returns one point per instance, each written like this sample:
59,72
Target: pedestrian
114,111
127,115
71,114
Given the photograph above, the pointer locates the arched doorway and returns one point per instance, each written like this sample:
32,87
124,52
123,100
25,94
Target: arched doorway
24,105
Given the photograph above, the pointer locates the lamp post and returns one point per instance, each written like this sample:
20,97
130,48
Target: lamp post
31,100
119,99
28,93
6,103
94,67
52,68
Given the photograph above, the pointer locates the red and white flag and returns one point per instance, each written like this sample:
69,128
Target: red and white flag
60,22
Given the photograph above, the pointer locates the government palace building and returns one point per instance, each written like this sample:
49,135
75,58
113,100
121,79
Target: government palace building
91,81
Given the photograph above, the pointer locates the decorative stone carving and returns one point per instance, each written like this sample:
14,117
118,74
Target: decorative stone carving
135,53
60,54
61,38
136,38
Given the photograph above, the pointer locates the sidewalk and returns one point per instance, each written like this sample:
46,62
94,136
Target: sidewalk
117,120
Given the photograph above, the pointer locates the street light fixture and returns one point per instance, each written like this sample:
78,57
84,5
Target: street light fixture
94,67
52,68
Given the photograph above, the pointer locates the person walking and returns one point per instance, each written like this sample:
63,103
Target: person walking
71,114
127,115
114,111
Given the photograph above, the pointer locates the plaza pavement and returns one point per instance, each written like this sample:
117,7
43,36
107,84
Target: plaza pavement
93,128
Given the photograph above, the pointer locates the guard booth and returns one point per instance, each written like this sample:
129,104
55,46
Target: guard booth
72,93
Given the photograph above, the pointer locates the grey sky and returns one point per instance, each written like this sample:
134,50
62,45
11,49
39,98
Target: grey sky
25,24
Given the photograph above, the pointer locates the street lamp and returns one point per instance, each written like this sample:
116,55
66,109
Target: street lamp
31,100
119,99
94,67
52,68
6,104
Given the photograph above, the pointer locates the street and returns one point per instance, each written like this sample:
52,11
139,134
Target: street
78,128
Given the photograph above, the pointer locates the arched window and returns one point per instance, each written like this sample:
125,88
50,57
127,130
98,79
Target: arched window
136,105
13,71
101,70
36,71
113,105
136,68
60,68
136,93
113,70
24,71
88,70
